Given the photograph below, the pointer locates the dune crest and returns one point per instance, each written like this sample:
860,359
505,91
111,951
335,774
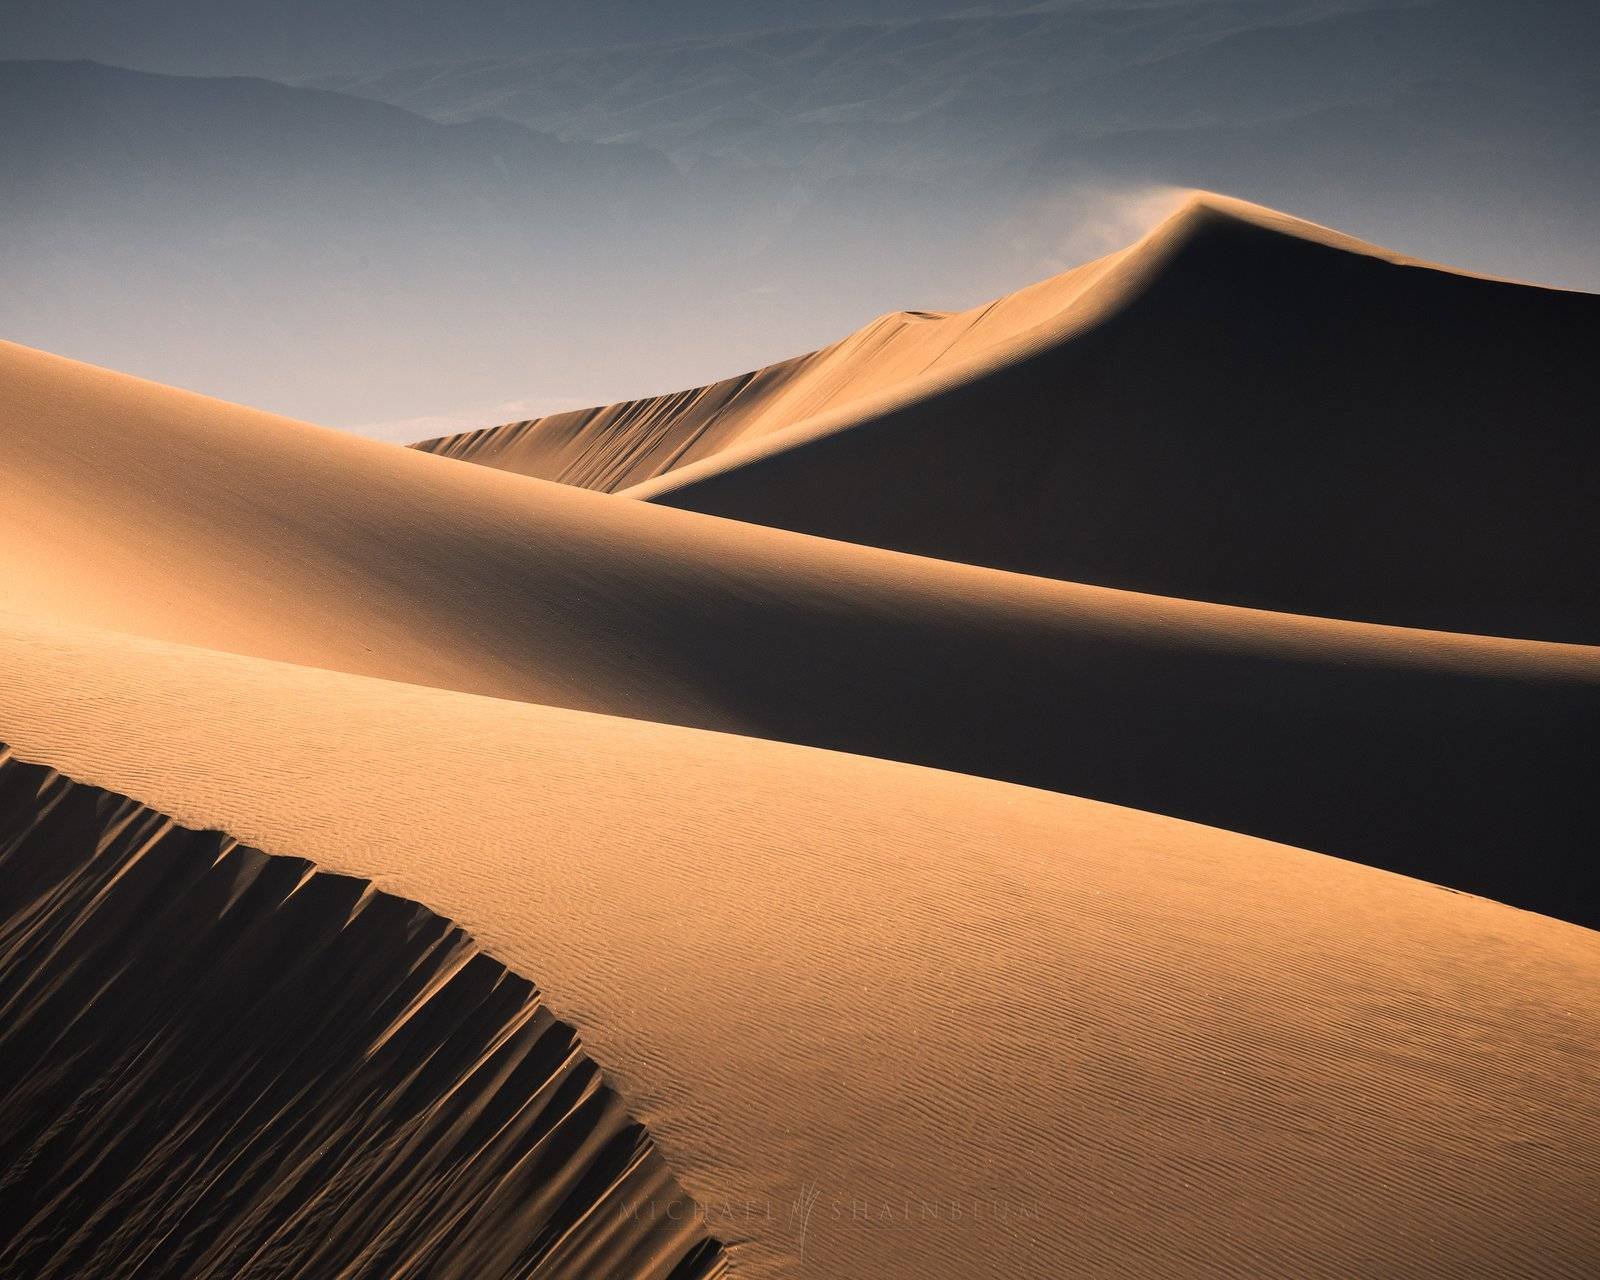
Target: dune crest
653,446
878,1018
640,446
1242,407
224,1064
143,509
1144,1047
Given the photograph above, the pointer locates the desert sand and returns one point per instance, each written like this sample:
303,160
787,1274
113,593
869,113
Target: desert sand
1266,413
746,804
223,1063
147,510
1141,1047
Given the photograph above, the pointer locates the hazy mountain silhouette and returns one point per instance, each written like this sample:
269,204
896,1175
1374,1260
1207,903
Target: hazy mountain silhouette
1441,125
301,37
81,130
401,266
445,235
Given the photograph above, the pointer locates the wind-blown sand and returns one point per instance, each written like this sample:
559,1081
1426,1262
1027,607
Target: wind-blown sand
1241,407
879,1019
147,510
1141,1047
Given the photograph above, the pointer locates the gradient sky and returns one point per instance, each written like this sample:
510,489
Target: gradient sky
504,208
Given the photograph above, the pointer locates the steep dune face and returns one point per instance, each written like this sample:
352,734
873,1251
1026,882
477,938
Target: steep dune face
887,1021
1264,415
1242,408
146,510
903,353
215,1063
881,1020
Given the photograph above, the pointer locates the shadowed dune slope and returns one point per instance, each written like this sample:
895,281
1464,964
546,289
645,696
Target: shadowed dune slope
887,1021
1242,407
215,1063
906,352
147,510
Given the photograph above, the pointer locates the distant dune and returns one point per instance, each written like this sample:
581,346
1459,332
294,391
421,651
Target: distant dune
745,801
150,511
906,352
216,1063
1242,407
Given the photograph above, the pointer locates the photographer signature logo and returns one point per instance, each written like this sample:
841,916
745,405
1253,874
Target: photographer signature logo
801,1209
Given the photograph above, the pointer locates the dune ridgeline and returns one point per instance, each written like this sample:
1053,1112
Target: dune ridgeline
981,798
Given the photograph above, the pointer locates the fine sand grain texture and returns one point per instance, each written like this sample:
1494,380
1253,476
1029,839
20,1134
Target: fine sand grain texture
147,510
886,1021
215,1063
1242,407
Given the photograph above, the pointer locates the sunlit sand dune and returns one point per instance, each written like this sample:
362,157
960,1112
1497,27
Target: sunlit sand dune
744,801
144,509
215,1063
885,1021
1241,407
904,353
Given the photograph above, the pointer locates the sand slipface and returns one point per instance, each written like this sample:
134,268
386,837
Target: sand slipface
1242,407
142,509
904,353
880,1019
219,1063
1147,1047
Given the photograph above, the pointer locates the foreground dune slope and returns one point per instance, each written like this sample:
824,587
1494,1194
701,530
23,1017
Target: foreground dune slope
886,1021
1242,407
148,510
215,1063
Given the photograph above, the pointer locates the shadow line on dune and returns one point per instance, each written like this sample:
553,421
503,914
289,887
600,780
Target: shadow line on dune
217,1062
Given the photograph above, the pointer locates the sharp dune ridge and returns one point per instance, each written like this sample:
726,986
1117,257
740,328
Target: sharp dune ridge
1241,407
140,508
916,905
1142,1047
898,356
217,1063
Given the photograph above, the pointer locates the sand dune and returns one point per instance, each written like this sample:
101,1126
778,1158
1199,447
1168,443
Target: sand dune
1242,407
216,1063
905,352
147,510
878,1019
970,1028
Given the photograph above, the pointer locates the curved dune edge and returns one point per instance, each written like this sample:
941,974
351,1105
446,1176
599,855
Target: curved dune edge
1092,1041
1241,407
147,510
651,446
1034,318
219,1063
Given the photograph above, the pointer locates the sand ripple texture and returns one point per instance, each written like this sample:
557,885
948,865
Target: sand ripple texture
215,1064
1092,1041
